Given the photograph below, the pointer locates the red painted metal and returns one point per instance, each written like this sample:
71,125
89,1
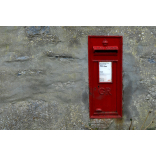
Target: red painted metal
105,98
100,48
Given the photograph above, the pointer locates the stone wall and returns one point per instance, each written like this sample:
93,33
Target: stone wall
44,77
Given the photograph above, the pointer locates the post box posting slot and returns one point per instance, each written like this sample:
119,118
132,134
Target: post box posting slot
105,50
105,76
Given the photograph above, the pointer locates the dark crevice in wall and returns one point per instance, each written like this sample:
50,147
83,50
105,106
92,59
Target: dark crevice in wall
63,56
52,55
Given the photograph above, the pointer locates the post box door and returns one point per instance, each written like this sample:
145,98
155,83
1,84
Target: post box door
104,93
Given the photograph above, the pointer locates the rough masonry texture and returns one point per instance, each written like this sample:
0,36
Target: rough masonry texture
44,77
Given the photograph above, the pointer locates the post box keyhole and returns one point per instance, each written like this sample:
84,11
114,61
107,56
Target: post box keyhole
98,86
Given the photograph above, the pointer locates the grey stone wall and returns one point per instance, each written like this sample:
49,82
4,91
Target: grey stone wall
44,77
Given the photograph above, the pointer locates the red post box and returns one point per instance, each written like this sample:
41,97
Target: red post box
105,76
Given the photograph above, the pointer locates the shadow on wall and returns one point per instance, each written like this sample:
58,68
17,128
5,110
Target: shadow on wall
131,86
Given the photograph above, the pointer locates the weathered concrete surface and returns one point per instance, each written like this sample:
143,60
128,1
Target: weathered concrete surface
44,77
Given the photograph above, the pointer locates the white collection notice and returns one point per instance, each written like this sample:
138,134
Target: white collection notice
105,71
